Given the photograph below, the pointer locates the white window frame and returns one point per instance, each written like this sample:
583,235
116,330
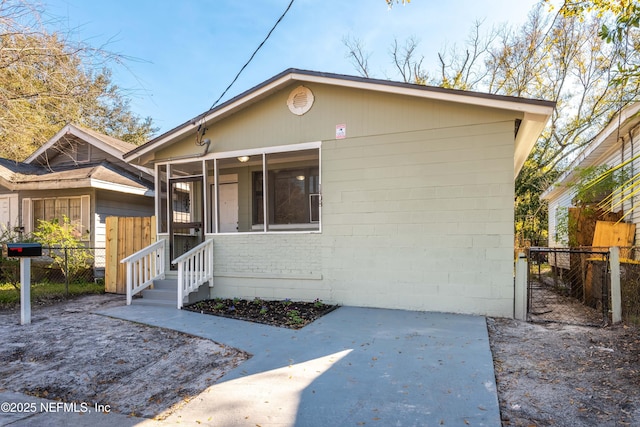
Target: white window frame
279,229
310,228
85,213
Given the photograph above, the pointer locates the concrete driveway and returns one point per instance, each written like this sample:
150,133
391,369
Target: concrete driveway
354,366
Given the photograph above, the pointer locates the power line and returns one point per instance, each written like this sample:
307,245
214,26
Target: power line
252,55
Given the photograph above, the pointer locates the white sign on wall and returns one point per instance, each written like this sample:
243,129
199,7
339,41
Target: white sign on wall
341,131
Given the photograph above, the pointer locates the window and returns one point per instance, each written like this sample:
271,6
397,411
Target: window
293,197
270,191
74,208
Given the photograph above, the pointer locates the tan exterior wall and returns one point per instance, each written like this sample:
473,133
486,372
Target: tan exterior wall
417,204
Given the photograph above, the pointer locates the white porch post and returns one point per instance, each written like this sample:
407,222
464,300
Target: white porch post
520,292
25,291
616,298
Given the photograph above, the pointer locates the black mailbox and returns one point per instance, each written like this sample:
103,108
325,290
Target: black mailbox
23,249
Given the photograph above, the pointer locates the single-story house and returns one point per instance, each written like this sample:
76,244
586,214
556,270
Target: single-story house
616,143
79,173
355,191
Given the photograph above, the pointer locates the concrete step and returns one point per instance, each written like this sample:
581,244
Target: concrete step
154,302
166,284
160,294
165,294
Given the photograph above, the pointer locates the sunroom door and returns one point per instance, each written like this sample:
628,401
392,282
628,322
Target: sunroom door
187,213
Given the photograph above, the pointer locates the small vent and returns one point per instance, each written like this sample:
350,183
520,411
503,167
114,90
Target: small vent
300,100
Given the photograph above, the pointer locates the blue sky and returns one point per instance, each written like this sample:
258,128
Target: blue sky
188,51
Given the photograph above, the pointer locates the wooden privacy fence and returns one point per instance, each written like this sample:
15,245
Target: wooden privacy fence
125,236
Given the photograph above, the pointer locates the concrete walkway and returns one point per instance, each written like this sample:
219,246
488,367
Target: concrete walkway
353,367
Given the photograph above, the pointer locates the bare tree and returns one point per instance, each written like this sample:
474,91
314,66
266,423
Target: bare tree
407,62
554,56
357,54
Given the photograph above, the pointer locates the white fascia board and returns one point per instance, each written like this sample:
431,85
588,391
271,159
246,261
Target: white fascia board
457,97
529,131
217,113
44,147
120,188
533,109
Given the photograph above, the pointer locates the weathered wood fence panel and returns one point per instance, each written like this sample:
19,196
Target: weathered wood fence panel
125,236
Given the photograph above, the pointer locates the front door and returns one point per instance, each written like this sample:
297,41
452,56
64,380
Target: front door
229,207
187,213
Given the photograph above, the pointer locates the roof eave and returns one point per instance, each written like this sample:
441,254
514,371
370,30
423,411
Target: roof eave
78,132
585,157
536,111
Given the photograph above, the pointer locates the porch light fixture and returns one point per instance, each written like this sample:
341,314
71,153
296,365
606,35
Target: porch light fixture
300,177
243,159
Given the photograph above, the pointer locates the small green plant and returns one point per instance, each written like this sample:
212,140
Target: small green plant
263,310
219,306
294,317
65,248
317,303
257,301
286,302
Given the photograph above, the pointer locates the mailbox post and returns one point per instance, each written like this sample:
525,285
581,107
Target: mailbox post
24,251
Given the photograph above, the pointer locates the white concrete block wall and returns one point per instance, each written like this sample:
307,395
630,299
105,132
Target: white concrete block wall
425,224
272,266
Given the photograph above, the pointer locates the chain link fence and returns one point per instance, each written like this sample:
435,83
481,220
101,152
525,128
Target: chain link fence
59,265
569,286
572,285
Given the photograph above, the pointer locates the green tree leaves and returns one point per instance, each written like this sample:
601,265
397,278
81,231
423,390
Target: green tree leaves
46,81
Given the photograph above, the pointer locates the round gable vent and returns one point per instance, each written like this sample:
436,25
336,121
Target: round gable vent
300,100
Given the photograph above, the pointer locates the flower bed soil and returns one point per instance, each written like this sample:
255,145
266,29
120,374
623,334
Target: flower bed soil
284,313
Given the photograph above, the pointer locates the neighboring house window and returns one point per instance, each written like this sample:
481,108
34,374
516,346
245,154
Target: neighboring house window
47,209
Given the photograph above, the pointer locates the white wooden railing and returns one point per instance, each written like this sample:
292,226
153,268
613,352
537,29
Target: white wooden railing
144,267
195,268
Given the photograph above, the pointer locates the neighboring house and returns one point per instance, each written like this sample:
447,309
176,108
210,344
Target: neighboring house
78,173
355,191
618,142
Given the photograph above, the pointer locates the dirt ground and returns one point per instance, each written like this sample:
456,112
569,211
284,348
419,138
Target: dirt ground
547,375
69,354
561,375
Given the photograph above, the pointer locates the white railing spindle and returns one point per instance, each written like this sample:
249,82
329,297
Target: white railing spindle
195,268
143,267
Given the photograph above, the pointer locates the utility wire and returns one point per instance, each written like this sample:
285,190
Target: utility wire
254,54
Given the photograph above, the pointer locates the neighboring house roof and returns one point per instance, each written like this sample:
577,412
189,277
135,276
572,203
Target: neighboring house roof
35,173
535,112
108,144
22,176
599,149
